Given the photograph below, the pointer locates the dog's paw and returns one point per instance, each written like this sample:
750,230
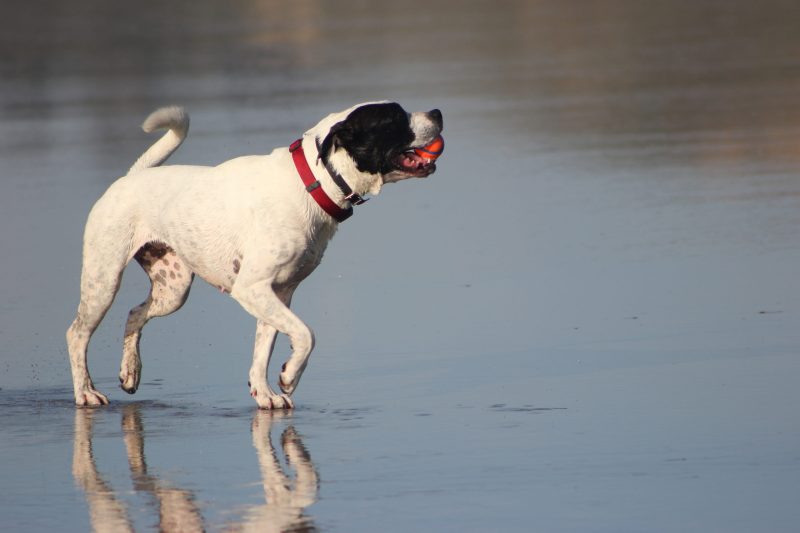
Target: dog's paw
287,382
129,382
90,398
129,376
282,401
271,400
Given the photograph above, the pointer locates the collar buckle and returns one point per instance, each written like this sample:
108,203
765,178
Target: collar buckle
356,199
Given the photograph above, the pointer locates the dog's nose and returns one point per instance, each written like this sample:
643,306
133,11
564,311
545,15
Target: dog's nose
436,116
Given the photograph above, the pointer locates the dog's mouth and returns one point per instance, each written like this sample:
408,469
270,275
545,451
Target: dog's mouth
413,164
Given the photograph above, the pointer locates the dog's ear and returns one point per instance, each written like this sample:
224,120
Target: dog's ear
338,136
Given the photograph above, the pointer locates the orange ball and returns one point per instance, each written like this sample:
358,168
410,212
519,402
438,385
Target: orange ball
433,150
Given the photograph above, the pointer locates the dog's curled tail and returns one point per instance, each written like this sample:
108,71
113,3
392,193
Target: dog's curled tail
173,118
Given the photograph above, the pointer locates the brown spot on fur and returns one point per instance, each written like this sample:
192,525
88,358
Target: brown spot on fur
157,249
150,253
236,266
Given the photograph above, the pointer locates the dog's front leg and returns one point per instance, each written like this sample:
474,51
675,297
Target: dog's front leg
260,390
259,299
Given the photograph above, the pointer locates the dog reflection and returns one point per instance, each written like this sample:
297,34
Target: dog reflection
285,502
177,509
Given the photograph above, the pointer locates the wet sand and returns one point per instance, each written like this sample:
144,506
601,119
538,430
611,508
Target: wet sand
586,320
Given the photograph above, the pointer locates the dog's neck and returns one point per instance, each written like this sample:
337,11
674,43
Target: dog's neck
338,165
350,195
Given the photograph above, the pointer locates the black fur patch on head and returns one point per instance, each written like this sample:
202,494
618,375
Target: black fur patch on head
374,135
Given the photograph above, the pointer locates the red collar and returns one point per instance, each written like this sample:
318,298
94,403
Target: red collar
313,185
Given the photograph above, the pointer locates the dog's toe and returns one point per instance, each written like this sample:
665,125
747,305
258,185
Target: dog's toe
264,403
289,387
282,401
127,386
91,398
267,399
129,382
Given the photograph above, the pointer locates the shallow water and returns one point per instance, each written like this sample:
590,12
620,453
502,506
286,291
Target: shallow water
586,320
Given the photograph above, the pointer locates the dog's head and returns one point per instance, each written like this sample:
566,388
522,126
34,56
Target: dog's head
373,143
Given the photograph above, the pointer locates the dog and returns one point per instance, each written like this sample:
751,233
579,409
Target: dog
254,226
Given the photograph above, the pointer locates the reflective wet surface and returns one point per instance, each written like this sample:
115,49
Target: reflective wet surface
586,320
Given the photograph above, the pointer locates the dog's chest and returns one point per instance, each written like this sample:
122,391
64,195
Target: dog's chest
303,265
303,257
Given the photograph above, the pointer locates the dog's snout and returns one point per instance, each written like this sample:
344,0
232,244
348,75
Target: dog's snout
436,116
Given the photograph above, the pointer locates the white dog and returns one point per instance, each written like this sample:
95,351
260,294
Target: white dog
254,227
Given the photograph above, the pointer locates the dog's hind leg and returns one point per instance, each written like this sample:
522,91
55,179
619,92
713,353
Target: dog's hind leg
170,280
98,288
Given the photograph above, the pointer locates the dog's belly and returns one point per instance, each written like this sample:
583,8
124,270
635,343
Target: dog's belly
209,253
221,272
220,265
213,275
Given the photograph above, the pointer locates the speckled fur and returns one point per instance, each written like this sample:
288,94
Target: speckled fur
246,226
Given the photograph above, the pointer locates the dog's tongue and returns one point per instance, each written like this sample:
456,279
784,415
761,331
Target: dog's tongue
413,161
